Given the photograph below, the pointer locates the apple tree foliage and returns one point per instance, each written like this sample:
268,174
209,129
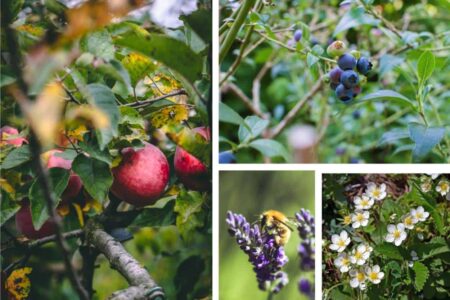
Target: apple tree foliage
91,80
276,102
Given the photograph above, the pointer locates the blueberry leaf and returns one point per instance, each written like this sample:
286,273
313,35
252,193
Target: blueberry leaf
311,59
384,95
257,126
228,115
425,66
392,136
270,148
354,18
426,138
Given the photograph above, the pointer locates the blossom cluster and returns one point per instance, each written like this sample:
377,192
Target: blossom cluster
397,233
266,256
305,228
355,262
442,186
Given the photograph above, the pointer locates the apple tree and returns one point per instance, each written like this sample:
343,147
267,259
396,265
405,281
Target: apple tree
105,150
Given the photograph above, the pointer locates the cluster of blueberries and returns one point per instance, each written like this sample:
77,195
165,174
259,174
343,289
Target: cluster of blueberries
344,79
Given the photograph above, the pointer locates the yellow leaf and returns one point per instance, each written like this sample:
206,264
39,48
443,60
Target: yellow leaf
172,114
4,184
94,204
173,190
89,114
162,84
63,209
45,113
116,161
138,66
79,212
18,284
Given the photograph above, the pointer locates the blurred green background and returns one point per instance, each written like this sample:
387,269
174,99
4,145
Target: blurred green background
250,193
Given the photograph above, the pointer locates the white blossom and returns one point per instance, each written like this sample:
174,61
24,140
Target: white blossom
396,234
363,202
342,262
419,214
358,279
360,255
360,218
376,192
374,275
340,242
443,187
409,221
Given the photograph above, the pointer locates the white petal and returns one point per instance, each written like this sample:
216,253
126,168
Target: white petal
376,268
391,228
398,242
389,238
383,187
347,241
356,225
401,227
364,223
344,235
381,275
335,238
354,283
334,247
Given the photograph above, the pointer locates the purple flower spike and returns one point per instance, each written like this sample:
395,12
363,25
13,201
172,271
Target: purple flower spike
306,288
306,229
263,253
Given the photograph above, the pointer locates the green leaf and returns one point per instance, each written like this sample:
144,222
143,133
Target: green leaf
188,207
389,250
138,66
98,43
393,136
93,151
58,179
17,157
157,217
102,97
117,71
426,138
187,275
257,126
131,116
169,51
270,148
8,207
200,22
386,95
389,62
95,175
311,59
6,76
425,66
421,275
228,115
355,17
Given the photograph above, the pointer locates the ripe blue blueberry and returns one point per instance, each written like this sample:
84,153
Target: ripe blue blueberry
344,94
227,157
333,85
363,65
335,75
340,151
298,35
349,79
347,62
354,160
356,114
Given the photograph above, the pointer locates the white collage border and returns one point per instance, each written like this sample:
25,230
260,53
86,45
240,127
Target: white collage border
319,169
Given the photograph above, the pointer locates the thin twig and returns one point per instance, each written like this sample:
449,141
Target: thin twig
256,88
52,238
247,101
293,112
149,101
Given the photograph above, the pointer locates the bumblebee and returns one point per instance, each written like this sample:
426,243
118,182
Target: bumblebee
276,224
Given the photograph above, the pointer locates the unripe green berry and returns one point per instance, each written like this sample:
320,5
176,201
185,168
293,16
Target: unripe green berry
337,48
326,78
356,54
362,79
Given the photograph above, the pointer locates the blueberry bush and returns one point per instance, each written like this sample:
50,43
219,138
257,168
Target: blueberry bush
334,81
105,150
386,236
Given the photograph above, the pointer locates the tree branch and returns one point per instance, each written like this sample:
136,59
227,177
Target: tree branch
142,285
240,94
146,102
293,112
52,238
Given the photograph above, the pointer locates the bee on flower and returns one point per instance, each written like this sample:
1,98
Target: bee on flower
419,214
358,279
340,242
443,187
342,262
360,255
374,274
377,192
363,202
360,218
396,234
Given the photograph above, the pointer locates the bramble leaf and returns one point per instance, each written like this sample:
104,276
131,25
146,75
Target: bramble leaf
421,275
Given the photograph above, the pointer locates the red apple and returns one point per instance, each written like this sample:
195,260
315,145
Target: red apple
74,185
24,224
6,131
142,175
189,169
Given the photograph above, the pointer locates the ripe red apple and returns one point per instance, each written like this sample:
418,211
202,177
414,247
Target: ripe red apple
24,224
142,175
189,169
74,185
6,131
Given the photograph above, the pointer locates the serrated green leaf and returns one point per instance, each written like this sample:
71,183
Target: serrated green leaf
131,116
425,66
17,157
58,179
188,207
8,206
389,250
95,175
102,97
270,148
157,217
98,43
425,138
421,275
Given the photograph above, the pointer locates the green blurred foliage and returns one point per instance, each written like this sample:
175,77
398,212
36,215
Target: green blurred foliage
250,193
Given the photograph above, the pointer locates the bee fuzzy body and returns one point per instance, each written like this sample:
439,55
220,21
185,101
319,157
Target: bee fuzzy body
275,223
